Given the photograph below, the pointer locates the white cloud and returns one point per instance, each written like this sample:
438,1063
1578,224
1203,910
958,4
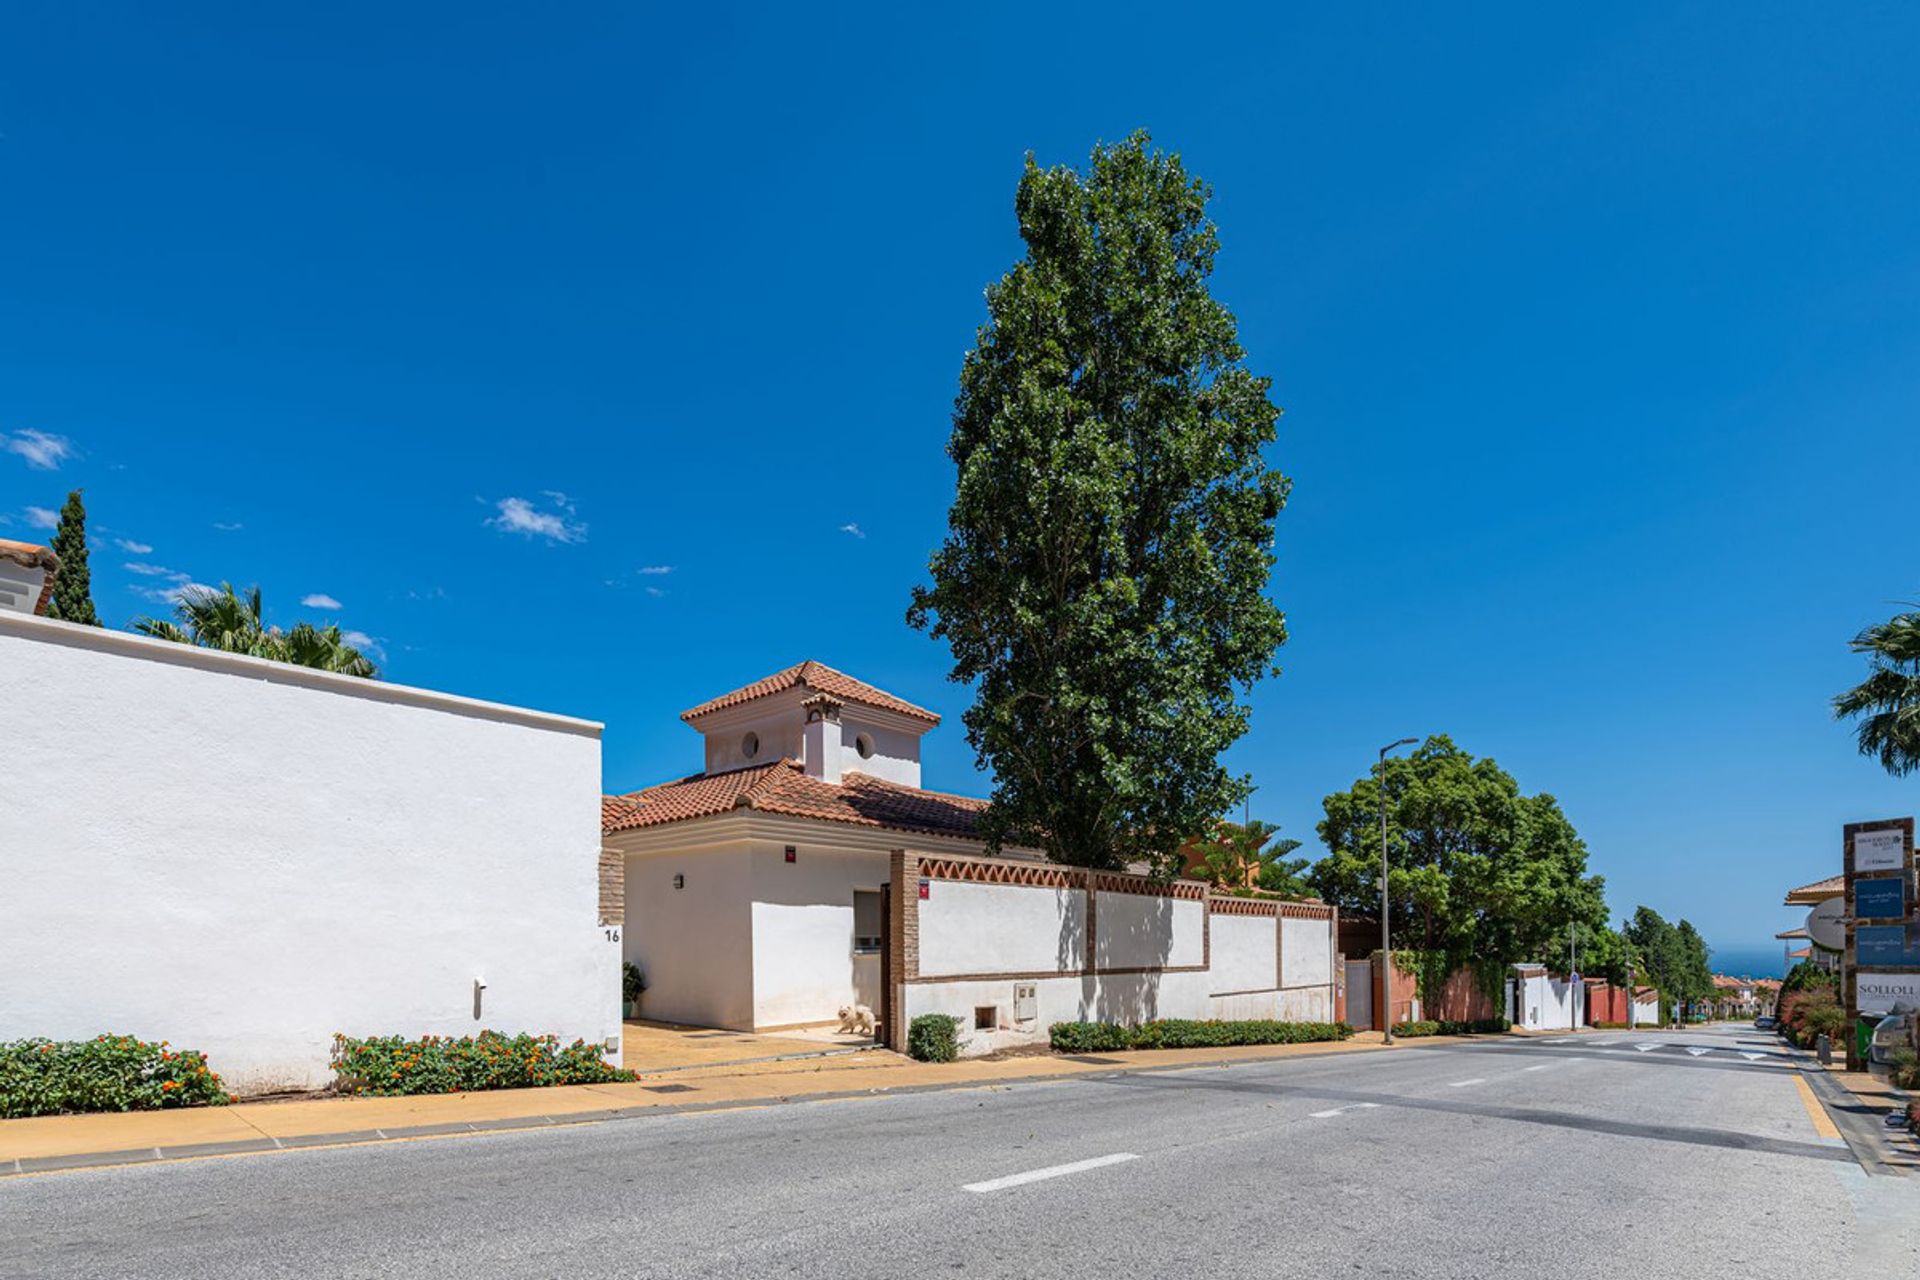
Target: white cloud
41,449
321,600
853,529
176,591
655,591
369,645
224,527
653,570
152,570
41,518
135,548
517,515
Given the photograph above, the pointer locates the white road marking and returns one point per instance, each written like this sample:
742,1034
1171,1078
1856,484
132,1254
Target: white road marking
1352,1106
1696,1051
1052,1171
1646,1048
1753,1057
1539,1066
1461,1084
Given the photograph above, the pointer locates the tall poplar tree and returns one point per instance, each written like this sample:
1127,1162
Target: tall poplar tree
72,599
1103,582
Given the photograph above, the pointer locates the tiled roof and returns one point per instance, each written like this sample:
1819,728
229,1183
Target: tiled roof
784,787
1818,891
814,675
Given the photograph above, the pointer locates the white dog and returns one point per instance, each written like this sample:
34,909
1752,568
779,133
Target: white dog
856,1019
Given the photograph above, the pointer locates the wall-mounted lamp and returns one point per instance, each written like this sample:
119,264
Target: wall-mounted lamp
679,881
479,985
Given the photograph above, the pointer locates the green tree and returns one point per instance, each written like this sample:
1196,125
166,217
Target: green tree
233,623
1103,580
1675,957
1887,703
72,598
1480,873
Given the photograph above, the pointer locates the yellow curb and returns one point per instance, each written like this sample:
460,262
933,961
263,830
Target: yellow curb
1822,1125
35,1137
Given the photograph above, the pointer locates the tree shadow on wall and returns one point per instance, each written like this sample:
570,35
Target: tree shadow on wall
1133,934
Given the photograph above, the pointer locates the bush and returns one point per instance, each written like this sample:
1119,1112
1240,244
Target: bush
934,1037
633,983
1444,1027
1182,1033
1416,1029
106,1073
393,1066
1903,1070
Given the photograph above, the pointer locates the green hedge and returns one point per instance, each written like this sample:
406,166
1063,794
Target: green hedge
393,1066
1181,1033
934,1037
1429,1027
107,1073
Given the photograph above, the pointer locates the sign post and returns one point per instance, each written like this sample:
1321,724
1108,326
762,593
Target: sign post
1878,857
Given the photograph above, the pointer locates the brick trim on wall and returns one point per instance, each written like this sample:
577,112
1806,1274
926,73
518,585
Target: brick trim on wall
613,887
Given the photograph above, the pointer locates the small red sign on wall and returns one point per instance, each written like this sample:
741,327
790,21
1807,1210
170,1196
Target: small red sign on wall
792,854
926,890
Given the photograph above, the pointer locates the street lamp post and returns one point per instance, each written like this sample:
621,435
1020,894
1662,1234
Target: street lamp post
1386,947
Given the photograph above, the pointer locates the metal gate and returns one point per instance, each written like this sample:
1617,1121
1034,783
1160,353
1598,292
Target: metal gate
1360,994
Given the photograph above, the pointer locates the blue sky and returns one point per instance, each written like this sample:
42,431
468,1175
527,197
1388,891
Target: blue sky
599,359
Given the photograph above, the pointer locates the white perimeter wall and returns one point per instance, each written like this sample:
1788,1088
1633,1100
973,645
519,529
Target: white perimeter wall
1028,933
1548,1004
244,857
1646,1013
989,928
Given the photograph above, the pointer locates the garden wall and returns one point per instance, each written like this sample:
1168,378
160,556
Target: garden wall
1012,947
245,857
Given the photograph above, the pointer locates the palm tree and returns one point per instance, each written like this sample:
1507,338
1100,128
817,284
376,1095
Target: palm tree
233,623
1887,702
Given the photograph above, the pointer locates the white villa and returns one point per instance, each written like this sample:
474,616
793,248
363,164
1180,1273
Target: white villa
755,888
805,868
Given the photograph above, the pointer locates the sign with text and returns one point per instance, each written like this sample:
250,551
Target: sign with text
1886,944
1882,850
1827,923
1877,993
1880,899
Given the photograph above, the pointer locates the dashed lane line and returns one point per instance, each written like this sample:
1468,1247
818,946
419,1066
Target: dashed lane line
1334,1111
1051,1171
1461,1084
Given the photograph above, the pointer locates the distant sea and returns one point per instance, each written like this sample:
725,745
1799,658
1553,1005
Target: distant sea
1748,961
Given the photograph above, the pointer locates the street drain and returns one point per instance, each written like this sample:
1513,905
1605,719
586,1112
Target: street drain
667,1088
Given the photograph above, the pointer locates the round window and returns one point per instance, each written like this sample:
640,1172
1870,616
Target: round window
750,745
864,745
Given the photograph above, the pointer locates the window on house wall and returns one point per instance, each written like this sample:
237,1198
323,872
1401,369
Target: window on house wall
864,746
866,920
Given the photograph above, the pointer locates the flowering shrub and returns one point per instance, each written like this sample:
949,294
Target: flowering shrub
107,1073
391,1066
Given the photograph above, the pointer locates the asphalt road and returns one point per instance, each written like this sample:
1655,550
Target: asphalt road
1564,1157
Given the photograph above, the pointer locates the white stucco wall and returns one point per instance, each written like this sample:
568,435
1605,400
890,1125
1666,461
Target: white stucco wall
1646,1013
1142,930
896,753
989,928
804,968
694,943
1244,956
1306,952
1548,1004
244,857
1129,998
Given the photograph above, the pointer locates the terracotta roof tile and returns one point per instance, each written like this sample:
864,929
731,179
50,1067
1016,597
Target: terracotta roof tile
1809,894
784,787
818,676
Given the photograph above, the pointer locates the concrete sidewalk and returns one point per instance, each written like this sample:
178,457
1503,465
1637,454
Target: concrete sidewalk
45,1143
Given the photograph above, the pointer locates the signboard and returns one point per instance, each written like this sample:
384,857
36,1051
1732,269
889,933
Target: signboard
1882,850
1880,899
1877,993
1826,924
1887,944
